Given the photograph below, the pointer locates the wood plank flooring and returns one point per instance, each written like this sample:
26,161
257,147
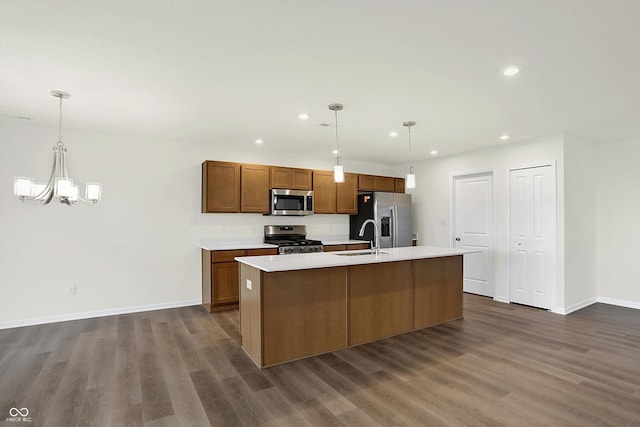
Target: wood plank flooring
502,365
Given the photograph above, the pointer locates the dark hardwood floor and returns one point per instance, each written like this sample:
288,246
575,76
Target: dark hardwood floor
502,365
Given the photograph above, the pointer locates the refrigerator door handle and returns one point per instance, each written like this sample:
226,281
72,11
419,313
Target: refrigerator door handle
394,226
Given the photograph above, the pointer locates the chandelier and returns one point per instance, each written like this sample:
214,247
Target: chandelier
411,176
338,171
59,185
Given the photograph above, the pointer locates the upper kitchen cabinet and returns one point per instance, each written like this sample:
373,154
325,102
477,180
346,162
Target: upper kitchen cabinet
220,187
331,198
399,185
291,178
376,183
254,189
347,195
324,192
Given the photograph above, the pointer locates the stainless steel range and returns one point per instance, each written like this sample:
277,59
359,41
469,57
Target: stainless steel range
291,239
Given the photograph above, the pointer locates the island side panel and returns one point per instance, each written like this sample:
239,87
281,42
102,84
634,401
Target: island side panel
206,279
250,312
437,287
304,313
379,301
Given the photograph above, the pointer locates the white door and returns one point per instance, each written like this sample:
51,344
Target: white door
532,202
473,229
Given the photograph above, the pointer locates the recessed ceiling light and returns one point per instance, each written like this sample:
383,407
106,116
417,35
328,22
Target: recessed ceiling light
434,152
303,116
504,137
335,152
259,141
393,134
511,70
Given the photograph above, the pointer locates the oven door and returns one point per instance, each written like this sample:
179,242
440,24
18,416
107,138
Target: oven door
291,202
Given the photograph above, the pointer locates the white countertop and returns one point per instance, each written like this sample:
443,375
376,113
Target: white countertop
271,263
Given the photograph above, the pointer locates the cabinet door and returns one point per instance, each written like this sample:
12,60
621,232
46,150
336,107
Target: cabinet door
225,282
367,182
399,185
220,187
324,192
347,195
385,183
255,189
437,290
301,179
281,178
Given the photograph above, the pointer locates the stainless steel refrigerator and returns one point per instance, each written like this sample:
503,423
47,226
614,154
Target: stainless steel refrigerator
392,213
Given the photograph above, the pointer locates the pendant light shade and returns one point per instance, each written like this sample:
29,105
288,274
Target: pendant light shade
410,179
59,185
338,170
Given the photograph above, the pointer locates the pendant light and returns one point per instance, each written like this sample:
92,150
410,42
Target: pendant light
411,176
338,170
59,185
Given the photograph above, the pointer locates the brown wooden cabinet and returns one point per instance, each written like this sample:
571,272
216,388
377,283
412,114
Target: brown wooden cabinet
437,291
291,178
220,187
347,195
324,192
399,185
345,247
331,198
254,189
220,277
377,183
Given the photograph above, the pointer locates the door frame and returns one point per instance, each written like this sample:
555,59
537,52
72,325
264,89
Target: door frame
554,170
452,216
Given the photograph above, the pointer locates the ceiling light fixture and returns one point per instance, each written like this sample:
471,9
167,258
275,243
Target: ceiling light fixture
259,141
511,70
59,185
504,137
434,152
393,134
303,116
411,176
338,170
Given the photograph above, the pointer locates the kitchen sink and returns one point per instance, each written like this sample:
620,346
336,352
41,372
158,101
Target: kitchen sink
366,252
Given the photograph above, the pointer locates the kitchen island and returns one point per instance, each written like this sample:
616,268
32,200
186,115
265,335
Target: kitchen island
295,306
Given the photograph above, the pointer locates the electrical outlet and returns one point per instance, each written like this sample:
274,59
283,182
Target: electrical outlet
249,284
71,290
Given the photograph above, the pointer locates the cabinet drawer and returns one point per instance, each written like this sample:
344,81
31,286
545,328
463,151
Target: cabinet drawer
334,248
226,256
264,251
357,246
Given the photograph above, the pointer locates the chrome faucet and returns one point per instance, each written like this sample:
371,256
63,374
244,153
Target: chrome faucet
375,249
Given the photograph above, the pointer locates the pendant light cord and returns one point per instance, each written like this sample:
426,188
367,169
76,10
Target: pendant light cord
337,149
60,143
410,150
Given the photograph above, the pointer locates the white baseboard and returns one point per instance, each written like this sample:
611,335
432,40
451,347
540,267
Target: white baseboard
97,313
575,307
620,302
501,299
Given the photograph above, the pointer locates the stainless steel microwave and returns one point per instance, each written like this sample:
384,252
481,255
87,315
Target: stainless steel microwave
291,202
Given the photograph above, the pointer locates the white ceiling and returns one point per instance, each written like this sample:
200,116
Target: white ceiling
232,71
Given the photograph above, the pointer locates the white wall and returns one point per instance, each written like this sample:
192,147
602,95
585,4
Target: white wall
432,194
580,180
618,223
138,246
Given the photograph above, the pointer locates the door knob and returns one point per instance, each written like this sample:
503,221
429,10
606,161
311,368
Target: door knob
457,239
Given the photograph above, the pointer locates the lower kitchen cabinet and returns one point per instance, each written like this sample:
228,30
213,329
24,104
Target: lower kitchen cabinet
220,277
345,247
